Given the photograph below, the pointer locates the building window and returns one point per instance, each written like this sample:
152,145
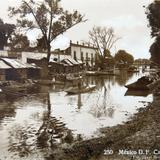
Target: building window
92,59
91,55
87,56
75,57
82,58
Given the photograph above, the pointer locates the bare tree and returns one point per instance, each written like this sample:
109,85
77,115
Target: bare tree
103,38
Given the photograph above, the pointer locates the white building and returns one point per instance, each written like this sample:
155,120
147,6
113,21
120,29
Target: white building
82,53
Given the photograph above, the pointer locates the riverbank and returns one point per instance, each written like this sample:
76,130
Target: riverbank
141,132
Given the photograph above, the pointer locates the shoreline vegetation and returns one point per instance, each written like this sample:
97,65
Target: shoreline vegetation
137,138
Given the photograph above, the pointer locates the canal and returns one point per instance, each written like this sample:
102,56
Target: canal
31,126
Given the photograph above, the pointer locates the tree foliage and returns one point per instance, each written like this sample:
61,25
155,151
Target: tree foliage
47,16
19,42
41,45
5,32
155,51
153,16
123,57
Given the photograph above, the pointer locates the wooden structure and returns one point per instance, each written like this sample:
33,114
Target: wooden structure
13,69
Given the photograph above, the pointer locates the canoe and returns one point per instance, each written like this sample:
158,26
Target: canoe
100,73
133,71
91,73
44,82
72,78
85,89
105,73
14,92
141,84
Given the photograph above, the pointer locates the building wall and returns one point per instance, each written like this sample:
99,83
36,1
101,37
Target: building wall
16,74
3,53
2,75
84,54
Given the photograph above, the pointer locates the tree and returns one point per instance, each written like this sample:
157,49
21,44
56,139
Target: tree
153,16
41,46
123,57
5,32
48,17
103,38
19,42
154,50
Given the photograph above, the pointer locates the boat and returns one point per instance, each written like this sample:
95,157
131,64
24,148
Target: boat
133,69
100,73
58,82
84,89
141,84
91,73
109,72
45,82
73,78
13,88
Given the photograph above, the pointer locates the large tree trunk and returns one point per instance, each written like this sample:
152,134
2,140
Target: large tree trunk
48,52
45,68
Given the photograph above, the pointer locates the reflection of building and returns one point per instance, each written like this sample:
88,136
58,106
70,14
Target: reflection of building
82,53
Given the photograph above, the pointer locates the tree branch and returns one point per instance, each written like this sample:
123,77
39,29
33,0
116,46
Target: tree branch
64,30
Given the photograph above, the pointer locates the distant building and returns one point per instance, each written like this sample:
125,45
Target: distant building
82,53
4,69
59,62
13,69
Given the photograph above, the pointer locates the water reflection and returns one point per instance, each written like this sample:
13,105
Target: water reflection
141,93
79,104
7,110
104,106
35,125
52,130
124,77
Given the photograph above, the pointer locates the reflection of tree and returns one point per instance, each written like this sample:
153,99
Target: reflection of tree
52,129
123,78
106,108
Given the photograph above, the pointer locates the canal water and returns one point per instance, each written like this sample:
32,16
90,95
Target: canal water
31,126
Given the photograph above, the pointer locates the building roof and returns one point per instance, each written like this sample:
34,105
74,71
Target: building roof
83,46
67,62
68,59
3,65
74,62
79,61
15,63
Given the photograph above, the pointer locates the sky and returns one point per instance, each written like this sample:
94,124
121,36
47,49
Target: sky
127,17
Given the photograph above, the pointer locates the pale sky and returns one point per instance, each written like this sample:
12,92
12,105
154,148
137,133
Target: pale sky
127,17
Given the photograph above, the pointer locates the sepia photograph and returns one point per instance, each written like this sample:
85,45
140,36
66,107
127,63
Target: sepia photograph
80,80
